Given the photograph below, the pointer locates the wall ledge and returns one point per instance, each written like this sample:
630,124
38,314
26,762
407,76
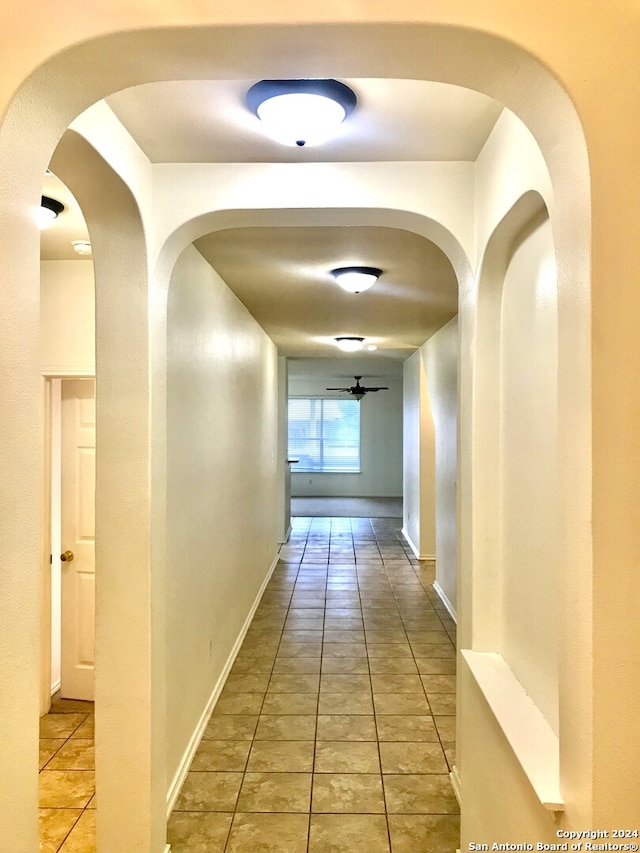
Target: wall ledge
533,741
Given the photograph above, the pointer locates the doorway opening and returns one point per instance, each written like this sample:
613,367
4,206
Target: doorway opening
72,533
67,753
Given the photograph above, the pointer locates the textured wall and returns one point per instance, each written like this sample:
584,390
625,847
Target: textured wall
67,317
221,484
440,358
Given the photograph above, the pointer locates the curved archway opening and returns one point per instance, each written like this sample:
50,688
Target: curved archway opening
428,52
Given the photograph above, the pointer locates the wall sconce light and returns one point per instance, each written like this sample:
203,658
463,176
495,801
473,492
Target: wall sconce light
301,112
356,279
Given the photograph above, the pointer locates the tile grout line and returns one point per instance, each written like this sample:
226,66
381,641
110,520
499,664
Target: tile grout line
253,739
331,547
375,720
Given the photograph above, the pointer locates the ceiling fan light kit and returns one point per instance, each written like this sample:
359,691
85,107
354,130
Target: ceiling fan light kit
301,112
356,279
358,391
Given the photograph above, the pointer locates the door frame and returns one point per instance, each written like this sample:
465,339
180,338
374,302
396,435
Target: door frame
47,400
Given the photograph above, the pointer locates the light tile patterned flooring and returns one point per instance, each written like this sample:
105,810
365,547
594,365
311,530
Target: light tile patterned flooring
67,802
334,732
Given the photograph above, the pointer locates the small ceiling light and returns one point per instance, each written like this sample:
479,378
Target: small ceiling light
349,343
48,211
356,279
301,112
81,247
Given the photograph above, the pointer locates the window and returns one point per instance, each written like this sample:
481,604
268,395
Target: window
324,434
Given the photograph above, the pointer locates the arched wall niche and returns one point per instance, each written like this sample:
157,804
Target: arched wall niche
43,107
517,565
522,579
532,570
486,603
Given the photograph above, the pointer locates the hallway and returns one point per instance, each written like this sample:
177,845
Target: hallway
335,730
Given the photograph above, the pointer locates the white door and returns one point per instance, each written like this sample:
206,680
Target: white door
78,537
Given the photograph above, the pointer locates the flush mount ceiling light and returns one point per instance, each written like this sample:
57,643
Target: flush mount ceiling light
356,279
48,211
81,247
301,112
349,343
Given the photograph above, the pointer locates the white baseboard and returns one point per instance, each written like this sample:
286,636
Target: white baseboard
55,687
286,538
429,558
196,737
455,784
410,541
167,849
443,597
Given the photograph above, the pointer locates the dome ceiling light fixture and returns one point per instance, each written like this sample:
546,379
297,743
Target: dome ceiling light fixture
81,247
301,112
48,211
356,279
349,343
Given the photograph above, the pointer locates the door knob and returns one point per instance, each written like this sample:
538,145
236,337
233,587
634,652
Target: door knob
67,556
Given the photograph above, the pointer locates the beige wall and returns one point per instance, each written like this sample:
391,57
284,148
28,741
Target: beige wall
430,456
221,481
528,486
419,461
411,450
284,471
440,358
67,317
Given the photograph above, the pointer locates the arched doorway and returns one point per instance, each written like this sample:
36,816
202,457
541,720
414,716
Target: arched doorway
443,57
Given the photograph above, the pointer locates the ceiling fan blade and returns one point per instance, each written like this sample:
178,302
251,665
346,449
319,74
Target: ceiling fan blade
337,389
381,388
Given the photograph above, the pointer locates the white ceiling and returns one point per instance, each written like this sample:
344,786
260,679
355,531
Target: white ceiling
341,370
282,274
209,122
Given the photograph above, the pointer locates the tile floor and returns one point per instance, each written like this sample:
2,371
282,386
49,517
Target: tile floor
334,732
67,807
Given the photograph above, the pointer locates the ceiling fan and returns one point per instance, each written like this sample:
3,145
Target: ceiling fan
358,391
